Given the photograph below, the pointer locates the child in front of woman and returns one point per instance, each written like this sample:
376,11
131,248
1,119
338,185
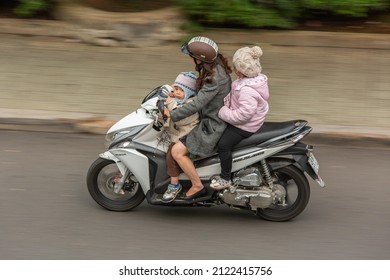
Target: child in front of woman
182,91
245,108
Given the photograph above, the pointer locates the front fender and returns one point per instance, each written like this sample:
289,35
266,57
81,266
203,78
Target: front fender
137,163
109,156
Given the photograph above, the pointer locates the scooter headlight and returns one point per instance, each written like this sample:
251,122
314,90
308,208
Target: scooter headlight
118,136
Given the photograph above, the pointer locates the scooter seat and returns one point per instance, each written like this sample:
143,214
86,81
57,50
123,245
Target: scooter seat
270,130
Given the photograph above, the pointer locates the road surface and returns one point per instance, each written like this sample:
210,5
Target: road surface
47,213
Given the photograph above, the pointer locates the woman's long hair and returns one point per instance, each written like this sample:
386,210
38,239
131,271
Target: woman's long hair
206,73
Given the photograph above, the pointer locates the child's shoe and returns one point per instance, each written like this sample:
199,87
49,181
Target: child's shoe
220,184
171,193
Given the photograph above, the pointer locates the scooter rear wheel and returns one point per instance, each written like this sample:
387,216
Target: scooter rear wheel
101,178
297,188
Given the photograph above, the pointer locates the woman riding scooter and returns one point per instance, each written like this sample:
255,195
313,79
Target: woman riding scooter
213,85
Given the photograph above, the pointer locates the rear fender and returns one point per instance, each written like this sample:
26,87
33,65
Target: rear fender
294,156
300,161
303,163
299,153
277,163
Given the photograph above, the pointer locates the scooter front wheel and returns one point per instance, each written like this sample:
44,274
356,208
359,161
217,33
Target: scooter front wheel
101,178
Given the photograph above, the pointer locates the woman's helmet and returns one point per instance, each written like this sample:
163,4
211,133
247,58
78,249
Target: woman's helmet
201,48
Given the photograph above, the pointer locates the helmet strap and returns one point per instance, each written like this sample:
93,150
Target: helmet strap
198,66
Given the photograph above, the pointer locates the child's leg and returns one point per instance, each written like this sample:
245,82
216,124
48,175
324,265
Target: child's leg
231,137
173,169
174,180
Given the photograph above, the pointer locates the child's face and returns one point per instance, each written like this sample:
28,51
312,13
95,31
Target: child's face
238,73
178,92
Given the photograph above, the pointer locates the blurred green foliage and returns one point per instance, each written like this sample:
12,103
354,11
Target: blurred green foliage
234,12
274,13
26,8
227,13
352,8
30,7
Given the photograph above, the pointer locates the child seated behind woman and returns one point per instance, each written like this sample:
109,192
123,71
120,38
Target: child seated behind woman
245,108
184,88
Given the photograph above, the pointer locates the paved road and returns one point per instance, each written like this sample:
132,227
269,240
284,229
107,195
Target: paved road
46,211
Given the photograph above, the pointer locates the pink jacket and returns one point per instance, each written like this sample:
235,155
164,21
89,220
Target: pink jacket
247,103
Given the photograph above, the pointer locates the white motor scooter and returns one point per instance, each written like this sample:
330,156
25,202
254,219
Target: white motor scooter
268,168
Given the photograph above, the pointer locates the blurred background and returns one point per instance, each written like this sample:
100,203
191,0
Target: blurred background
327,61
92,62
319,14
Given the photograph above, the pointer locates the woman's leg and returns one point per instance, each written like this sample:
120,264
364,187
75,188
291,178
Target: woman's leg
180,154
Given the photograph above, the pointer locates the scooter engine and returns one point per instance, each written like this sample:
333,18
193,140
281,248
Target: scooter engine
254,197
249,191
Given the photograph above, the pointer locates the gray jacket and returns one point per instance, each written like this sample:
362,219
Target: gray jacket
203,139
